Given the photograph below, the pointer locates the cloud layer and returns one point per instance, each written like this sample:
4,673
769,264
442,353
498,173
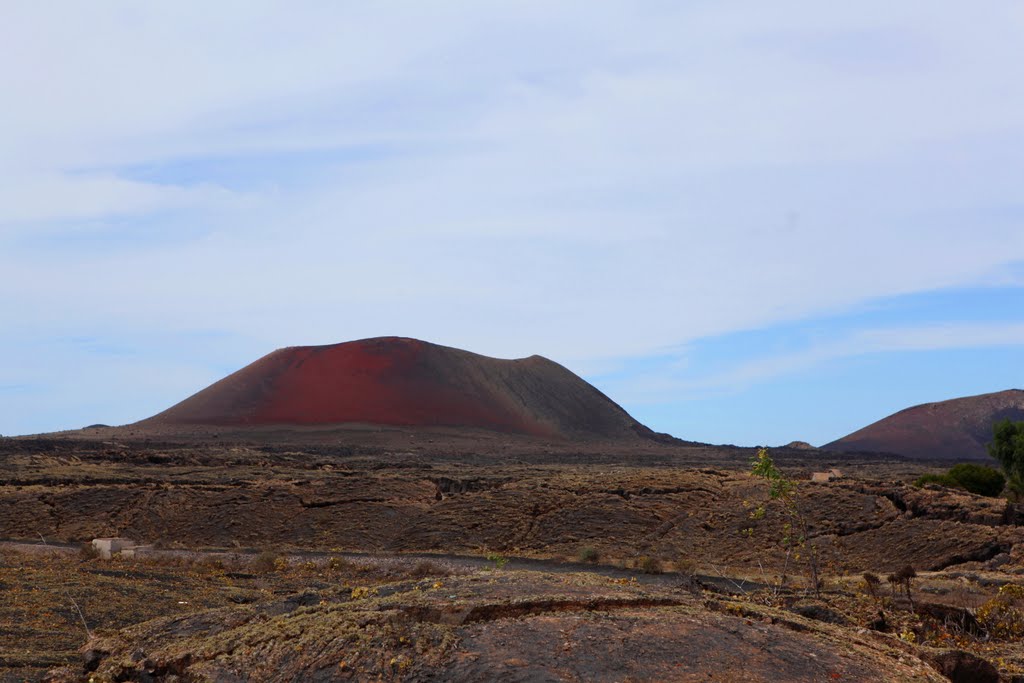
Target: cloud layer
590,182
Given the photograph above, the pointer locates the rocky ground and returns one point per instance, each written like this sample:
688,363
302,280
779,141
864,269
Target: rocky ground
503,626
690,511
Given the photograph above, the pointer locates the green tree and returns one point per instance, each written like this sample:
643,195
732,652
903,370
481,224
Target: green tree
1008,448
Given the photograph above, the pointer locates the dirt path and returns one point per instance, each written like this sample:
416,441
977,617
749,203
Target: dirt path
453,562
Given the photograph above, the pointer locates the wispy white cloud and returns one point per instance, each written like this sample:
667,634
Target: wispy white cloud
665,383
587,181
29,200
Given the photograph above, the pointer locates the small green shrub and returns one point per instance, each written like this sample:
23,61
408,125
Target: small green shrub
940,479
498,560
1001,616
589,555
978,479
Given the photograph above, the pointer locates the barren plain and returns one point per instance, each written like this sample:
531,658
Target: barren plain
362,554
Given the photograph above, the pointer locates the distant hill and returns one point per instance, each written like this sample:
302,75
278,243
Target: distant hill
405,382
955,429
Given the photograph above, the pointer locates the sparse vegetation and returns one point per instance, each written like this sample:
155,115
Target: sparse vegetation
87,551
940,479
1002,617
642,519
498,560
686,566
48,597
361,592
266,561
900,582
336,564
978,479
425,568
648,565
795,531
870,582
905,577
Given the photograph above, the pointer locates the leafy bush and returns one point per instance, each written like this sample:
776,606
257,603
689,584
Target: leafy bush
1001,616
985,481
940,479
589,555
498,560
1008,448
979,479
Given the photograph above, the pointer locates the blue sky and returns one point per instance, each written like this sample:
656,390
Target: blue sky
746,223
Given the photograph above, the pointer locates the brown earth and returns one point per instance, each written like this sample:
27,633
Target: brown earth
957,429
501,626
624,505
640,505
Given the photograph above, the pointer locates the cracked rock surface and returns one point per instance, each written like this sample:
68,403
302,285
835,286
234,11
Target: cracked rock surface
509,626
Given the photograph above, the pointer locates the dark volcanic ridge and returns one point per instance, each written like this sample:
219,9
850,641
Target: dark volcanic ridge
959,428
396,381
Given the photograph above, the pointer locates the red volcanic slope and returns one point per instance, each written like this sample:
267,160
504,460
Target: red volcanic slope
400,381
956,429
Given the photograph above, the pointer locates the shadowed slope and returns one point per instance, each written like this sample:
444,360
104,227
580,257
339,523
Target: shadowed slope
405,382
955,429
